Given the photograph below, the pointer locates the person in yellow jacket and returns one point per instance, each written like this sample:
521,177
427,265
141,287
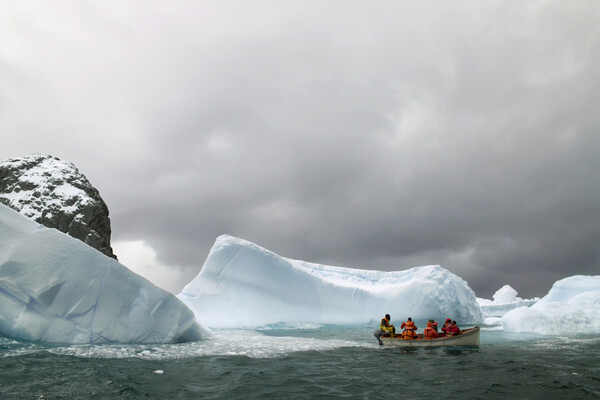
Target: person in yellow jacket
410,329
386,327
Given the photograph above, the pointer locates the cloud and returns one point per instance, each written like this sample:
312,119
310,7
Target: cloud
384,136
139,257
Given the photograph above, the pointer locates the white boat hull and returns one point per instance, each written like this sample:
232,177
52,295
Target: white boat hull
468,337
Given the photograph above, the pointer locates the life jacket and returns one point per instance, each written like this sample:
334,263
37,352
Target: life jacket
385,326
430,332
453,330
409,330
434,325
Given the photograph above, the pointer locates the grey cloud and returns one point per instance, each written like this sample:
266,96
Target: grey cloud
385,136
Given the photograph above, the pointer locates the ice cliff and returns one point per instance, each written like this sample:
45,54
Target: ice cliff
244,285
56,289
55,194
571,306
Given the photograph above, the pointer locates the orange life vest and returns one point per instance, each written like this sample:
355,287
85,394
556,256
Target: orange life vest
429,332
409,330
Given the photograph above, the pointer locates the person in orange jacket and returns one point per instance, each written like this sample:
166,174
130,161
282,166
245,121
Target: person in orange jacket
434,325
410,329
430,332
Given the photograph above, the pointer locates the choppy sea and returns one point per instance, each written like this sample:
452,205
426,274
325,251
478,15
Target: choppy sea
305,362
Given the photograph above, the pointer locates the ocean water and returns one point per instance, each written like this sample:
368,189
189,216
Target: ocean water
305,362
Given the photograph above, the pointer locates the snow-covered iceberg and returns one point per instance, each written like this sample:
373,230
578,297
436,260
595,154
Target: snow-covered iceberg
244,285
505,299
571,306
56,289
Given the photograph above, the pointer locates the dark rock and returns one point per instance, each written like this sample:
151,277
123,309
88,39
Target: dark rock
55,194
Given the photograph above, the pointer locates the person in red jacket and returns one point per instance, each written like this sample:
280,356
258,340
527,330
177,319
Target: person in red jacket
446,326
453,329
410,329
430,332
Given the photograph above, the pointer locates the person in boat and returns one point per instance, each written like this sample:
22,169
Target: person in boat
410,329
446,326
453,329
430,332
434,325
387,328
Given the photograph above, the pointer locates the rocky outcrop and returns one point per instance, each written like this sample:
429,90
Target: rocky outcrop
55,194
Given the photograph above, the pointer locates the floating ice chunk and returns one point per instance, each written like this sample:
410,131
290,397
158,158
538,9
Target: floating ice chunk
505,299
506,294
571,306
244,285
54,288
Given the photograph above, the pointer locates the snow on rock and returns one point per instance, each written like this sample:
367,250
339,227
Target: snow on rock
505,299
571,306
56,289
55,194
244,285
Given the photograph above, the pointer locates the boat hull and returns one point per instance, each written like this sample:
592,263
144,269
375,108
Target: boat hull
468,337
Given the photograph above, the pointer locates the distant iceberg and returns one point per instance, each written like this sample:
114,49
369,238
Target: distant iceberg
505,299
571,306
56,289
243,285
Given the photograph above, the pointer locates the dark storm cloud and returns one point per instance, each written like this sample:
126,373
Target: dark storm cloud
386,136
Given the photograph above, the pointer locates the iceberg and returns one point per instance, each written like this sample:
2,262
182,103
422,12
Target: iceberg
243,285
56,289
505,299
572,306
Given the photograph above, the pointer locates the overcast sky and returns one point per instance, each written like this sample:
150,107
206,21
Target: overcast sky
367,134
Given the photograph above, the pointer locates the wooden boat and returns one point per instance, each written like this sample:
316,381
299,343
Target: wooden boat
468,337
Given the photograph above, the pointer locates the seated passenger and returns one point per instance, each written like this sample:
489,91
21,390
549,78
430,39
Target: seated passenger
387,328
434,325
446,326
410,329
453,329
430,332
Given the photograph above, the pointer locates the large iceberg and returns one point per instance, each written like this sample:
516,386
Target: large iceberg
56,289
244,285
505,299
571,306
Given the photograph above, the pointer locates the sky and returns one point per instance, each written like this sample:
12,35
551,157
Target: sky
381,135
